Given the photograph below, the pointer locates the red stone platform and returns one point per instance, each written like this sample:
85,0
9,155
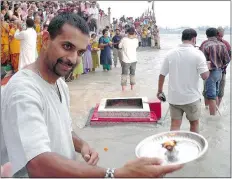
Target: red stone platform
155,115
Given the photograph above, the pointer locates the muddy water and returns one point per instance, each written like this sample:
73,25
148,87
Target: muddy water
121,139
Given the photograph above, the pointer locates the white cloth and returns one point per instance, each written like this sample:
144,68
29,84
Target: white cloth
148,33
152,42
94,12
184,65
129,47
27,46
34,120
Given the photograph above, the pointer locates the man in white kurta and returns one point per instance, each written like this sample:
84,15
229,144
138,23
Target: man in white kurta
38,116
27,44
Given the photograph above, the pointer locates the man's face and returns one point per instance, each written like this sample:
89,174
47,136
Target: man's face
93,5
117,32
51,9
220,34
47,9
63,53
30,12
106,34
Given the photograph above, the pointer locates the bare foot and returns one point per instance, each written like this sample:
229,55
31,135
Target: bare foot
123,88
132,87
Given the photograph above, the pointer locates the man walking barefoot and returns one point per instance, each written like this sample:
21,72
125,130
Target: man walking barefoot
184,64
129,46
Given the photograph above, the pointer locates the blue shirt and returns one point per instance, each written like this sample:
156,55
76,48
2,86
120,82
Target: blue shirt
116,39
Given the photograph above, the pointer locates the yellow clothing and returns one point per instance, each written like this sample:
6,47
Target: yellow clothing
95,45
39,37
95,58
14,43
144,34
5,33
112,34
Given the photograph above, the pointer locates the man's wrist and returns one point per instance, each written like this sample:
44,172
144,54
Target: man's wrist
83,143
119,173
160,91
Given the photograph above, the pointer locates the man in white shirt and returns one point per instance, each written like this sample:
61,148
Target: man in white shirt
184,64
93,17
27,39
36,122
129,46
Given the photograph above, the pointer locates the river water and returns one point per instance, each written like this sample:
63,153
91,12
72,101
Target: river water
121,140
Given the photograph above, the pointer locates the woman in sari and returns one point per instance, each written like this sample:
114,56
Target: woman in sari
38,31
95,50
105,45
4,41
17,14
87,60
14,47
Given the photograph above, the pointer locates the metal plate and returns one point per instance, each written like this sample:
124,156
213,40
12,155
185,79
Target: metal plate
190,146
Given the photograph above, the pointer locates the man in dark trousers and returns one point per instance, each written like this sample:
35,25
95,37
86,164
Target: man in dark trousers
116,51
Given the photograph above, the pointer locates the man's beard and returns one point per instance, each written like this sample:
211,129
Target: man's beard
60,60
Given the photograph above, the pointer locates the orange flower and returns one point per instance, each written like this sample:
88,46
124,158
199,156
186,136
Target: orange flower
105,149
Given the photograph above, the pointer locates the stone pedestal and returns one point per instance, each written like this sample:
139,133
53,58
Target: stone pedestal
124,108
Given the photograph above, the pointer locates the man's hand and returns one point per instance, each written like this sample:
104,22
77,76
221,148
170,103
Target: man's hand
145,167
209,65
89,155
161,96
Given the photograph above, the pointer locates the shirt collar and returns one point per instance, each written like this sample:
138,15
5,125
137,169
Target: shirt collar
186,45
212,38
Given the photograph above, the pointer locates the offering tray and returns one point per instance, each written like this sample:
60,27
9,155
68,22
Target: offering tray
188,146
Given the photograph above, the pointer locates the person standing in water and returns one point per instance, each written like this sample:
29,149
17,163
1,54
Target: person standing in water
129,46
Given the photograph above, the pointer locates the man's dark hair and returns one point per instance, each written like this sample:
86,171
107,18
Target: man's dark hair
30,23
45,25
107,27
104,31
131,31
211,32
188,34
56,24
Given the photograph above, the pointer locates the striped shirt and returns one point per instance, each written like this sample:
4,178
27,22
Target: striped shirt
216,52
228,49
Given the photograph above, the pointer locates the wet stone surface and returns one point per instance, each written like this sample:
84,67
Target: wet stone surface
121,139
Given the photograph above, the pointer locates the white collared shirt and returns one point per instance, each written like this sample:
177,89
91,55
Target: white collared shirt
184,64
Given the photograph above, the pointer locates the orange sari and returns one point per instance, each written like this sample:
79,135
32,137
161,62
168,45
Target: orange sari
39,38
14,49
4,42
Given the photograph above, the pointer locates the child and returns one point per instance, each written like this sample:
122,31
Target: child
95,49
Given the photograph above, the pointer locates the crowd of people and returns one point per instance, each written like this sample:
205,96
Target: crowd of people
146,29
44,42
16,15
18,19
37,135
